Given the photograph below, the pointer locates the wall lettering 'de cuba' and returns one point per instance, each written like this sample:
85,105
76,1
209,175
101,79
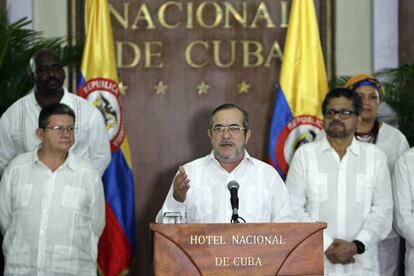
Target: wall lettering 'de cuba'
177,60
196,17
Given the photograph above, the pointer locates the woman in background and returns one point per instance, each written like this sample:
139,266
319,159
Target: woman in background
392,142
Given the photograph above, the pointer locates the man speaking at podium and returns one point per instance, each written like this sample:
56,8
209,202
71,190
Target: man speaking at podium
200,188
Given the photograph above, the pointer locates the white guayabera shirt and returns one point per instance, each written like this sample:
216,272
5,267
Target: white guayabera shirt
352,195
51,221
262,194
392,142
19,123
403,179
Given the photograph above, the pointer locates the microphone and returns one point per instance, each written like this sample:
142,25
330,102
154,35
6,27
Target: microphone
233,186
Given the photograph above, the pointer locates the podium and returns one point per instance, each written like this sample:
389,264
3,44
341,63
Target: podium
238,249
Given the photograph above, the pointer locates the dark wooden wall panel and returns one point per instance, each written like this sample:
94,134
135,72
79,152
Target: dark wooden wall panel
405,31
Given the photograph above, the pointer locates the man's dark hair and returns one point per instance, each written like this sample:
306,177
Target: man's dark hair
227,106
346,93
54,109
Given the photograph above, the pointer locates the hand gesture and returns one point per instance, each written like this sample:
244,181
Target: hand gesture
181,185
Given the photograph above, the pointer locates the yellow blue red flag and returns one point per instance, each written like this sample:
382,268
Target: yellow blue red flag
297,116
99,85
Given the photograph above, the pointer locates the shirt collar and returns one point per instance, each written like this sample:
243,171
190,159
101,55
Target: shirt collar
246,158
69,162
354,147
66,99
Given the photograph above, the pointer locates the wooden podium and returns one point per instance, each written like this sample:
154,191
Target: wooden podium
238,249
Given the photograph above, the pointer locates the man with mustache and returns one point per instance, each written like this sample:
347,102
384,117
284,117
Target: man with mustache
346,183
18,123
199,188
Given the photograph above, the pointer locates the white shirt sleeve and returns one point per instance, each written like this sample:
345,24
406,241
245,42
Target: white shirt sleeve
7,149
98,206
400,146
403,201
96,211
5,203
99,144
377,225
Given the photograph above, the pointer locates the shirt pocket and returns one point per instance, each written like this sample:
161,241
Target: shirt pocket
18,142
22,196
318,187
18,259
363,189
76,199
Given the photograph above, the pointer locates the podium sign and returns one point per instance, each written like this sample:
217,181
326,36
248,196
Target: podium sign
238,249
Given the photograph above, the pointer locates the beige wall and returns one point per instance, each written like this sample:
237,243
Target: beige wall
353,33
50,17
406,34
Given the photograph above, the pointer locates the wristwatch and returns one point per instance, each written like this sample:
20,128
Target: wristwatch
360,246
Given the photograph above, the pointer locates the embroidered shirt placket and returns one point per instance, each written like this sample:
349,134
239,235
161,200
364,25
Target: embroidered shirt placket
46,201
341,190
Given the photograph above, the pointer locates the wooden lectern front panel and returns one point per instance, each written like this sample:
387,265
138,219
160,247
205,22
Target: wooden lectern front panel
238,249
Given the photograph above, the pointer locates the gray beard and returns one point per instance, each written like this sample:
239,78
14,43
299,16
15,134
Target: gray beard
235,157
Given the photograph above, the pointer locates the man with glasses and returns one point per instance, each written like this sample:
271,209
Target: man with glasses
199,190
346,183
18,123
52,204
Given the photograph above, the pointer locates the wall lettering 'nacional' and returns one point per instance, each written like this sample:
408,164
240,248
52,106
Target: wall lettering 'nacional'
195,18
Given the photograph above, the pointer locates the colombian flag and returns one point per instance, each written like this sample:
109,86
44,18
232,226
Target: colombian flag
297,116
99,84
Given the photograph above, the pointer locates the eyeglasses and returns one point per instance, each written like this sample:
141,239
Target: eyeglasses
232,129
61,129
343,113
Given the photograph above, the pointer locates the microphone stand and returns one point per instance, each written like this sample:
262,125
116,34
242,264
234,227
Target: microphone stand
235,218
233,186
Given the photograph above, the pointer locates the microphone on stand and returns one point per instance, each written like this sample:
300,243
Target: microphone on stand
233,187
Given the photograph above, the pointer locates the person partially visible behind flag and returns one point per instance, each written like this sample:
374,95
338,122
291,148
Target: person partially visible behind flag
297,116
99,85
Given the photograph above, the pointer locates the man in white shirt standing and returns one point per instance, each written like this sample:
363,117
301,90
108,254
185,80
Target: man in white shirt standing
18,123
345,183
52,205
403,185
200,187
